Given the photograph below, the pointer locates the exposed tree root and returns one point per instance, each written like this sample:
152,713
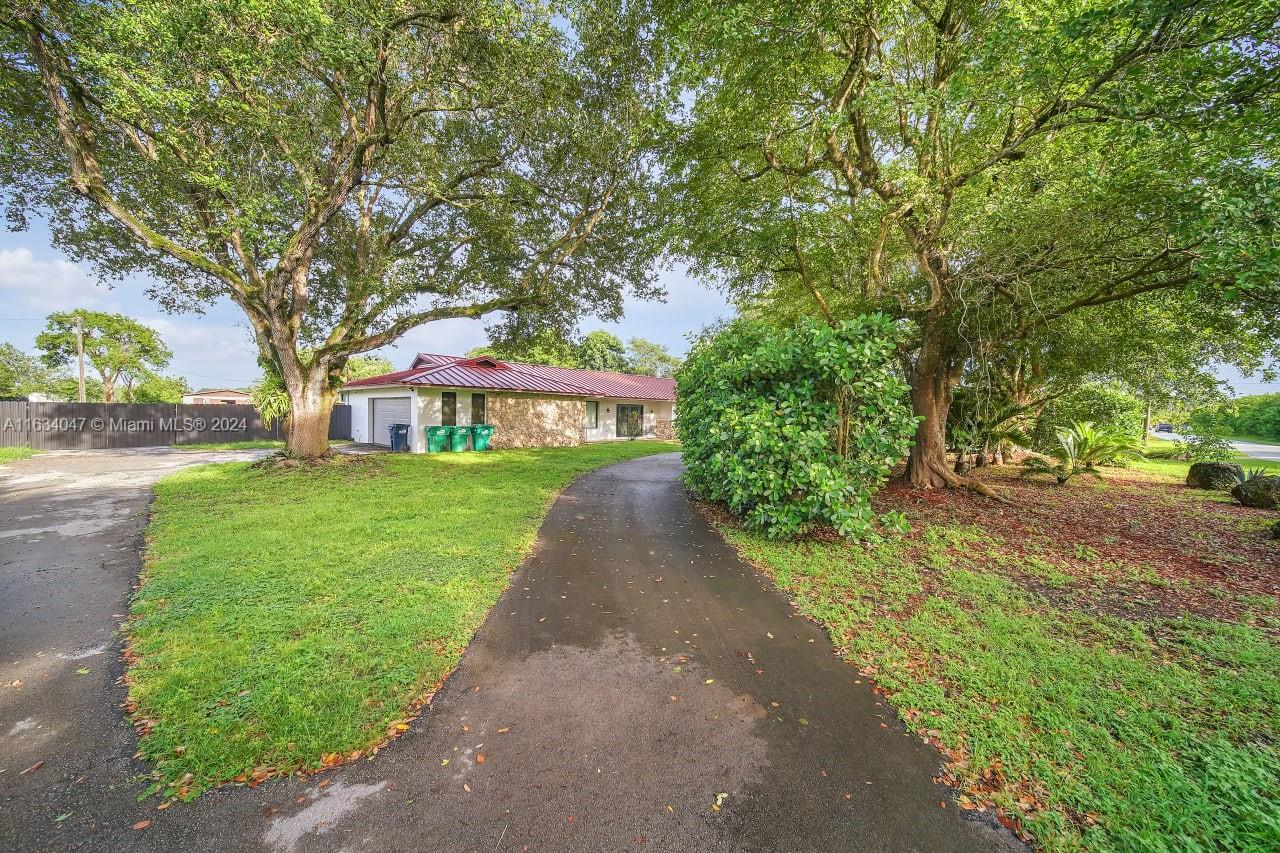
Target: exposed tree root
954,480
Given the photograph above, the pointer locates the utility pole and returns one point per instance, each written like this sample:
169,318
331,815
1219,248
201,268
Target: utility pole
80,353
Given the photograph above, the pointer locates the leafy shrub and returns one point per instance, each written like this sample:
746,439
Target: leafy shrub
1203,448
794,427
978,425
1080,450
1105,406
1257,414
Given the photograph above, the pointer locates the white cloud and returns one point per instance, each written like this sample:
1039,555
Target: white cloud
447,337
44,285
209,353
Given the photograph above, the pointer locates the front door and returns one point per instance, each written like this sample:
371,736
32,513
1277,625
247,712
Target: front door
630,420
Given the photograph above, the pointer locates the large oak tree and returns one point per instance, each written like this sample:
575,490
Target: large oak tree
342,170
981,170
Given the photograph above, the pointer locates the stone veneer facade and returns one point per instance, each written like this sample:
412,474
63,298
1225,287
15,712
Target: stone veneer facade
535,420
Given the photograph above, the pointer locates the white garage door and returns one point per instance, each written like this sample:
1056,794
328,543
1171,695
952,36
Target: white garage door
388,411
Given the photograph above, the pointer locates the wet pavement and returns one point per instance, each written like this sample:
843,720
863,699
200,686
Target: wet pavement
637,688
71,527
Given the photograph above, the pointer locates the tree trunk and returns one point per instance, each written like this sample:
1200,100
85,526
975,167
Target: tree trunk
932,385
1146,425
306,434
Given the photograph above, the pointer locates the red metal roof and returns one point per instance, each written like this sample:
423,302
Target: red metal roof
457,372
430,359
384,379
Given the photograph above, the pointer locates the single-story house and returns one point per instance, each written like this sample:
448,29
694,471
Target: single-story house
529,405
218,396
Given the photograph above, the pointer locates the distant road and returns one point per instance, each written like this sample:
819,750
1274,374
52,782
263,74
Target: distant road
1251,449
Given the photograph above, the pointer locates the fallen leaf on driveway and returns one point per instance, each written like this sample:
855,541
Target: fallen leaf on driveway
504,730
480,759
466,787
33,768
142,824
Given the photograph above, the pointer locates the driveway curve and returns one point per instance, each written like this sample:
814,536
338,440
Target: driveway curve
637,687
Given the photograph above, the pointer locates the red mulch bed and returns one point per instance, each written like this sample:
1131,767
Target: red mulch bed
1109,536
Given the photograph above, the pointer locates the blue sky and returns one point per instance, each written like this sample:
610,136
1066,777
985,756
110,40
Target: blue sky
214,349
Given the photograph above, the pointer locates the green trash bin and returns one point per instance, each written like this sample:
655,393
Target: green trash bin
458,437
438,438
480,435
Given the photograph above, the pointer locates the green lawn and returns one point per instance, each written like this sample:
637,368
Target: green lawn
262,444
1174,468
288,617
1256,439
1098,662
11,454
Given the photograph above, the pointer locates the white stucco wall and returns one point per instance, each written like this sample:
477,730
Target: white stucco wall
427,410
360,400
430,412
607,427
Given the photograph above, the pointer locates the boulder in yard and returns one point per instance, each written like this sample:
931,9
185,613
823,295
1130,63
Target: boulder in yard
1219,476
1261,492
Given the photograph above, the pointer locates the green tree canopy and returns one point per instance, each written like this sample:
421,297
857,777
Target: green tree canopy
364,366
121,350
546,346
21,374
601,350
341,171
981,172
159,389
650,359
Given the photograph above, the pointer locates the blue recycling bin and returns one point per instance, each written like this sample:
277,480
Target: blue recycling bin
399,438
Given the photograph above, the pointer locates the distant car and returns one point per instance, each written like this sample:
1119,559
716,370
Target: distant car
1164,427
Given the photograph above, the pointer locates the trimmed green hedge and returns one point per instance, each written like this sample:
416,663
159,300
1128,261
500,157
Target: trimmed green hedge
794,427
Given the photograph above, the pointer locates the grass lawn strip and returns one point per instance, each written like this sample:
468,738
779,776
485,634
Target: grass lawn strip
290,619
1098,662
13,454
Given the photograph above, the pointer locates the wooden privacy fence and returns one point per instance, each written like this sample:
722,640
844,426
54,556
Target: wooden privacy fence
107,426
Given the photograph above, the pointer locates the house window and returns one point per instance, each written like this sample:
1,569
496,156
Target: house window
448,408
593,414
477,409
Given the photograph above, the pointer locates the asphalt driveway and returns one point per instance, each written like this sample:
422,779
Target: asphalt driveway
637,687
70,536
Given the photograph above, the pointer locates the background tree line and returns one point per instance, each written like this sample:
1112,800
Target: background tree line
1038,196
598,350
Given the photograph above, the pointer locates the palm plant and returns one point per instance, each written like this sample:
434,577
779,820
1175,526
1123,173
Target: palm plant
1243,477
1080,450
